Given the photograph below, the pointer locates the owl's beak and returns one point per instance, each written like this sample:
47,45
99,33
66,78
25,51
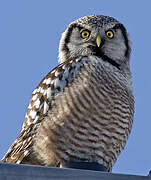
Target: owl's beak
98,40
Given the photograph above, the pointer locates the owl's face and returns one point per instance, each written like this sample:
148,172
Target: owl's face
101,36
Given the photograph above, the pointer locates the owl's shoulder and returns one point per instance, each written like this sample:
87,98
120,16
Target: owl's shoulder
51,85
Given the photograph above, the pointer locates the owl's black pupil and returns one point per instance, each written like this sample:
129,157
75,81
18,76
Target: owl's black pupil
109,34
85,34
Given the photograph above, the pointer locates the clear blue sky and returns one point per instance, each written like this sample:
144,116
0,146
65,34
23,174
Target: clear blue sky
30,31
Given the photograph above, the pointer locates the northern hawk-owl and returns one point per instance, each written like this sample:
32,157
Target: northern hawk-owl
83,109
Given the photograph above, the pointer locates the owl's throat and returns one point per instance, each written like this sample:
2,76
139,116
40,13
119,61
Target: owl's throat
98,52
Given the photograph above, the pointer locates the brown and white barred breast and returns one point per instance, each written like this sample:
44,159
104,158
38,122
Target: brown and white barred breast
83,109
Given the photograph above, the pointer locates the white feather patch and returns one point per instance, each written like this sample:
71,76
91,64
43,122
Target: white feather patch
26,152
48,81
32,114
34,92
34,97
57,73
28,121
48,93
36,119
44,81
45,107
37,103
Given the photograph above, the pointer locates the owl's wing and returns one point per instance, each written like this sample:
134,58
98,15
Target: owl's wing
54,82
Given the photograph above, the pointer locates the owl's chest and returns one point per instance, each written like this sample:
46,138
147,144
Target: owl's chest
90,119
94,104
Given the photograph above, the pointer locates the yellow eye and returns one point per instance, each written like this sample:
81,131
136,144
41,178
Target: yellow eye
110,34
85,34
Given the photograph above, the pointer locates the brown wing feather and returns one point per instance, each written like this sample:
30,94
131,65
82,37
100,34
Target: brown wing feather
20,148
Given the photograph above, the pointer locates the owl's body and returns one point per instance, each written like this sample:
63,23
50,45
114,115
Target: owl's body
83,109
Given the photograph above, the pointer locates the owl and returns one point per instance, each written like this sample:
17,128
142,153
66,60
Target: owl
82,111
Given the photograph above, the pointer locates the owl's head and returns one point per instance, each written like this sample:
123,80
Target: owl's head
97,35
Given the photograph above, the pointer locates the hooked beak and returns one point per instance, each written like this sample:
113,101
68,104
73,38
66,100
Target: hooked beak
98,40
